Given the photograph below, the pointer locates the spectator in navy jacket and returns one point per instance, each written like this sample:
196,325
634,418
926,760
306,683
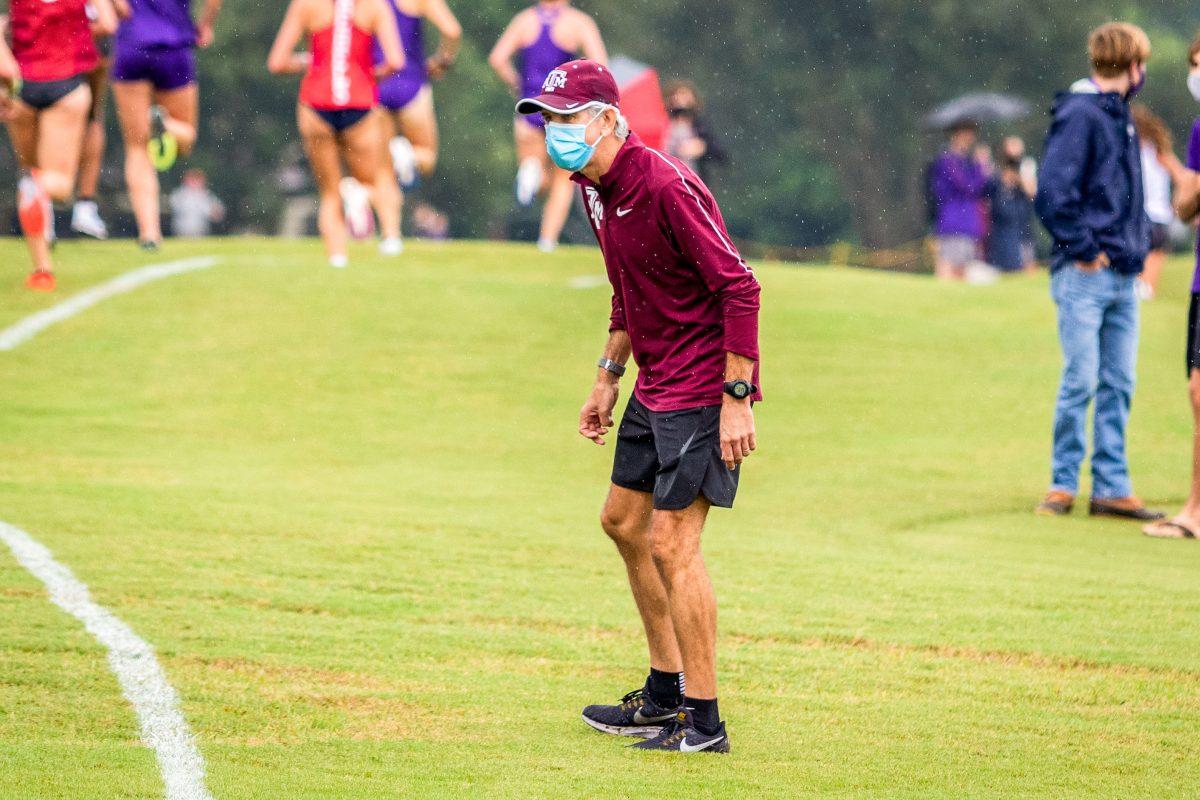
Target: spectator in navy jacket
1012,220
1090,199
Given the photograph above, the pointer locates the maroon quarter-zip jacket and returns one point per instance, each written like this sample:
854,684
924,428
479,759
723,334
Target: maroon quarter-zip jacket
681,290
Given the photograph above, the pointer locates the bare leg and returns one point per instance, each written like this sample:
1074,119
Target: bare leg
183,111
92,156
1188,519
1191,510
626,520
675,541
49,141
531,144
1153,269
60,138
133,111
558,206
90,159
532,161
418,123
23,131
360,146
389,200
321,146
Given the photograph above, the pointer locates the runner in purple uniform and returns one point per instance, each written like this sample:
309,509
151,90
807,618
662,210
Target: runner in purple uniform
154,85
544,36
409,125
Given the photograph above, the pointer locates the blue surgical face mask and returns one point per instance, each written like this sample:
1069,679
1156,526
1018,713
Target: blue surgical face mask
567,143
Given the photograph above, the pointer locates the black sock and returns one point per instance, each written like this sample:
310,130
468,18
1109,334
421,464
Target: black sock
665,688
79,198
705,716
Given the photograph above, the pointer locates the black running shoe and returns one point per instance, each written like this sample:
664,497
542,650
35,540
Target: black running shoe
636,715
681,736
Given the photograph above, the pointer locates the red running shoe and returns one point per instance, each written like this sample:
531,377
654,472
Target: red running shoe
33,207
41,281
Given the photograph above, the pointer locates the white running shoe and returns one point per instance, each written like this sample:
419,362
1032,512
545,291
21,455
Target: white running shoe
356,205
85,219
338,261
404,161
392,246
547,245
529,180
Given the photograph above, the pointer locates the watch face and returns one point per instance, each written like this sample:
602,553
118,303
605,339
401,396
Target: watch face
740,389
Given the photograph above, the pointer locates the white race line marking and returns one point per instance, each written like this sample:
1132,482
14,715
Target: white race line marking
588,281
132,660
34,324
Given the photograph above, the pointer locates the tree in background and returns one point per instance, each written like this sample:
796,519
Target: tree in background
820,103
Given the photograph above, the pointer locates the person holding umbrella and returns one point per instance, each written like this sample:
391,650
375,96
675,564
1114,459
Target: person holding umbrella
959,181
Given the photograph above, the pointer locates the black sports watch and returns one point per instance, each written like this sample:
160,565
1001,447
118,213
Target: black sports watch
740,390
611,366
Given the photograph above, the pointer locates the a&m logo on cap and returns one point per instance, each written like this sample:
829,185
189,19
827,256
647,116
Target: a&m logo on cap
557,79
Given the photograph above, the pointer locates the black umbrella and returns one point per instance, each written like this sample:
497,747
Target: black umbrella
979,107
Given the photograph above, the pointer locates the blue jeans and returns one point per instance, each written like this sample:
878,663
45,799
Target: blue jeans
1098,331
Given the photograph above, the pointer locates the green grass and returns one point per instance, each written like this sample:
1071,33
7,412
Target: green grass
351,512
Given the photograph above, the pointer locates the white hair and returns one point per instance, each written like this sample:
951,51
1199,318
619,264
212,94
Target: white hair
622,129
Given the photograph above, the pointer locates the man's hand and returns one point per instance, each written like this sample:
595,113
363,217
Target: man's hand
1095,265
595,418
737,431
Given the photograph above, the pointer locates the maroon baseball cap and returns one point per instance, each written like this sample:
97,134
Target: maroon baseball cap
573,86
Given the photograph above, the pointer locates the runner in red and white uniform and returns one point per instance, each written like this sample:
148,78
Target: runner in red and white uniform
46,106
337,95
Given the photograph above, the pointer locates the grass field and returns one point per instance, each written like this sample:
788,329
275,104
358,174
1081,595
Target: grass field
351,512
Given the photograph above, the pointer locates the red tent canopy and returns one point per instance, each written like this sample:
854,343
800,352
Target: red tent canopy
641,99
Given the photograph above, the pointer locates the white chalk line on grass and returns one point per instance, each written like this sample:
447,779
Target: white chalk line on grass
131,658
34,324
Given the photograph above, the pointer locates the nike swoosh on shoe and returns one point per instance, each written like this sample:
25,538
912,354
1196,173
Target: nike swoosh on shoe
640,719
684,747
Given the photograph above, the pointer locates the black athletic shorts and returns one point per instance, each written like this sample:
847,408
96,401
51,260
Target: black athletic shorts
342,118
1193,340
43,94
676,455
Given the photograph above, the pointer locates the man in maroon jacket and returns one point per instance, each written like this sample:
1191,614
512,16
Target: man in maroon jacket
685,305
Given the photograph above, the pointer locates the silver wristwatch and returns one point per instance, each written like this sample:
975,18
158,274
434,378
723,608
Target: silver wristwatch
611,366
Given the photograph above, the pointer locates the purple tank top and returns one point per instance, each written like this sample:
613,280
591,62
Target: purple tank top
412,40
157,23
1193,162
542,56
